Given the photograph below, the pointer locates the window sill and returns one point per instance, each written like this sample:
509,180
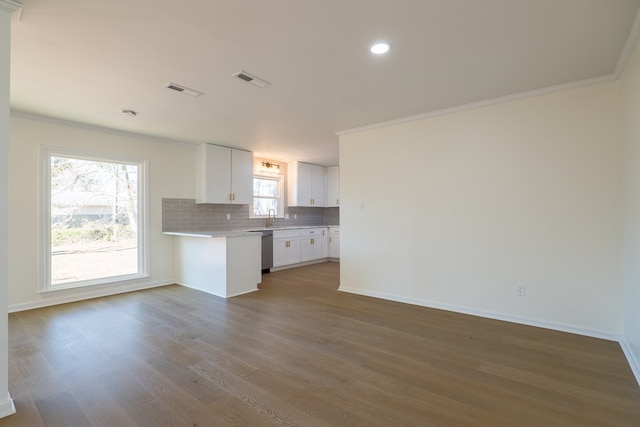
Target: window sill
115,281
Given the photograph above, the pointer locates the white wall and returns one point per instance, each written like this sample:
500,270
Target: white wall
459,208
630,91
171,174
6,9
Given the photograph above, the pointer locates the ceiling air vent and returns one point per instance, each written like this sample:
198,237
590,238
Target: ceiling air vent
256,81
183,89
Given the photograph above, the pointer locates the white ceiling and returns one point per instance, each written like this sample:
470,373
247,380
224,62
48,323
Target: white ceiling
86,60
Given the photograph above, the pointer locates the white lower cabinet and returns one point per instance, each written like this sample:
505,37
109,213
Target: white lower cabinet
334,242
310,244
303,245
286,247
325,242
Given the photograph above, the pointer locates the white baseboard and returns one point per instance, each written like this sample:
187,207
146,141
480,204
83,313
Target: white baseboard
487,314
242,293
634,362
7,407
300,264
86,293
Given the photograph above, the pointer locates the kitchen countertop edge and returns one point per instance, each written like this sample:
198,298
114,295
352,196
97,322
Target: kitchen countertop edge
210,234
239,233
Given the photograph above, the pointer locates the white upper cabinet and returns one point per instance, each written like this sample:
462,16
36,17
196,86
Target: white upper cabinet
306,185
223,175
242,177
333,186
318,186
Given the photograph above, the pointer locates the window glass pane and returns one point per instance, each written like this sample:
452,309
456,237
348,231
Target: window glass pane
261,206
94,220
267,195
265,187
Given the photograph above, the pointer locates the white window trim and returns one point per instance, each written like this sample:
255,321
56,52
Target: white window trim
46,153
280,190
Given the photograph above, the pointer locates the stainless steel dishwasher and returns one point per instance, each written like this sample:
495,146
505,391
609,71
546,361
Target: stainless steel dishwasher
267,250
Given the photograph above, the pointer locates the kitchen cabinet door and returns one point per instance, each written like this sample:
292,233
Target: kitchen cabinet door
223,175
306,185
310,244
334,242
318,186
286,247
333,186
242,177
325,242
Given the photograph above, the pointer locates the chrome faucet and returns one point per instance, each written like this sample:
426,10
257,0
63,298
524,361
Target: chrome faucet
271,221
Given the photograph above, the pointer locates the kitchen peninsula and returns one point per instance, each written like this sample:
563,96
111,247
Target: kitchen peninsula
224,263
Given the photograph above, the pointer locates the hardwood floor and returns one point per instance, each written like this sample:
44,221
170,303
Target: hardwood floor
299,353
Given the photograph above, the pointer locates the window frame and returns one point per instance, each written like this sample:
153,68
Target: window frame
280,180
47,152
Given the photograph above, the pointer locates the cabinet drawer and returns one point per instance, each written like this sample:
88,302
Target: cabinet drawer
310,232
334,232
286,234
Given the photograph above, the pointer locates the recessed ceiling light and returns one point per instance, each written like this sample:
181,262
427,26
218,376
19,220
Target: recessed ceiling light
380,48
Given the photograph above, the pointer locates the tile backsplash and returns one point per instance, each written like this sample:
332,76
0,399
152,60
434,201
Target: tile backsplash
185,215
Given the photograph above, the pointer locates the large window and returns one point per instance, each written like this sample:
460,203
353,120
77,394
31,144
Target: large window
267,196
94,220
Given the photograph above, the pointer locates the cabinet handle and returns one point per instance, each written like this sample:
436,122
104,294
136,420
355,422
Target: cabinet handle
234,196
337,201
313,242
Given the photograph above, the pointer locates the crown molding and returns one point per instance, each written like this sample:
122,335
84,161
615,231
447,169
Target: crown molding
634,34
61,122
486,103
10,6
632,39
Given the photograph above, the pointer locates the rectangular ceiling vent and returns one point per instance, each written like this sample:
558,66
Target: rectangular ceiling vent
183,89
249,78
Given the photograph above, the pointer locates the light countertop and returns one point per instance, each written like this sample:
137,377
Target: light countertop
239,233
210,234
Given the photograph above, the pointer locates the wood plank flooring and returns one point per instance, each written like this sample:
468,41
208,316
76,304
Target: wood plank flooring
299,353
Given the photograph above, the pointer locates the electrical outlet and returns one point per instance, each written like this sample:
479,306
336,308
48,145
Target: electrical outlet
228,217
286,216
295,216
521,290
